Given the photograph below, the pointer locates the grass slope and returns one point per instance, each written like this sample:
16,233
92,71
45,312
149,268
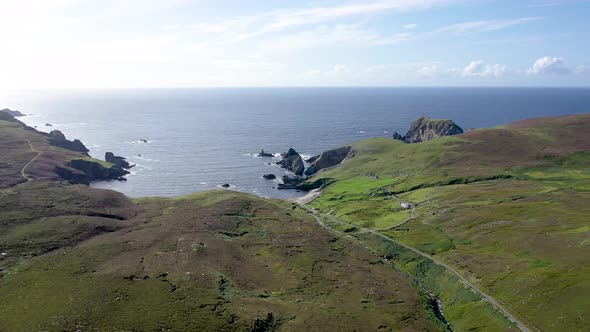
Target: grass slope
507,207
86,259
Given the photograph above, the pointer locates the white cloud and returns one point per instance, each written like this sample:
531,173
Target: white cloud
549,65
431,71
484,26
583,70
410,26
479,69
275,21
340,69
350,35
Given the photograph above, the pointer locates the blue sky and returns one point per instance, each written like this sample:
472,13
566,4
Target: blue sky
202,43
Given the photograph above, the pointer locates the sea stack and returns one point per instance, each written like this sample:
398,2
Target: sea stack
264,154
293,162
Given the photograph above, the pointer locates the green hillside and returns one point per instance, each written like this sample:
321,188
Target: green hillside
506,208
82,259
493,223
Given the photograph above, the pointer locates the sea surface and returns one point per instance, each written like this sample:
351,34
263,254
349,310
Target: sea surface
198,139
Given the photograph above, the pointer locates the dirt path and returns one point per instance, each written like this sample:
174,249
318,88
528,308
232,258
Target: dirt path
438,307
22,171
488,298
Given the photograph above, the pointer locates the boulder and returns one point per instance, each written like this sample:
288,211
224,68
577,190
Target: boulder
293,162
328,159
264,154
225,185
397,136
426,129
269,176
116,160
57,138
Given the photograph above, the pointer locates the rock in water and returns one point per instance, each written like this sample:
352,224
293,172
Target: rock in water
425,129
225,185
264,154
327,159
292,161
397,136
269,176
59,139
116,160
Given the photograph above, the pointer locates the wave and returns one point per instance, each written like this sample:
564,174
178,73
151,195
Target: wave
256,155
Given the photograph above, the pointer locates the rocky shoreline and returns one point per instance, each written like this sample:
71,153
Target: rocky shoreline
82,169
421,130
301,172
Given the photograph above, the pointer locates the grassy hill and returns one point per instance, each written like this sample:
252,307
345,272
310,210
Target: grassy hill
492,223
507,208
82,259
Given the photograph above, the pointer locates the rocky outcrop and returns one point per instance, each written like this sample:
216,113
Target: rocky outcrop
292,161
57,138
116,160
290,182
86,171
312,159
264,154
327,159
425,129
269,176
7,117
11,112
299,183
397,136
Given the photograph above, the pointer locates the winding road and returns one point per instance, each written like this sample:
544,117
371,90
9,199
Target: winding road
22,171
487,297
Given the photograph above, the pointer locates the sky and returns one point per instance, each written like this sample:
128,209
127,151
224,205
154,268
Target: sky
62,44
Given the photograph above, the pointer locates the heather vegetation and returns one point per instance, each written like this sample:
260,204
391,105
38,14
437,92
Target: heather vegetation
483,231
78,258
505,207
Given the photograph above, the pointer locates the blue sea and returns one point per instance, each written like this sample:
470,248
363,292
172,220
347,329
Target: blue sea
198,139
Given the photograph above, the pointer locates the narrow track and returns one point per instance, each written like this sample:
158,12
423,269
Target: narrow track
22,171
487,297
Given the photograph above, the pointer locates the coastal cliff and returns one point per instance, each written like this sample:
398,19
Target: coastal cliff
59,139
426,129
327,159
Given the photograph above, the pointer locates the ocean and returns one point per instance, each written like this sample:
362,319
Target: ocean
199,139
